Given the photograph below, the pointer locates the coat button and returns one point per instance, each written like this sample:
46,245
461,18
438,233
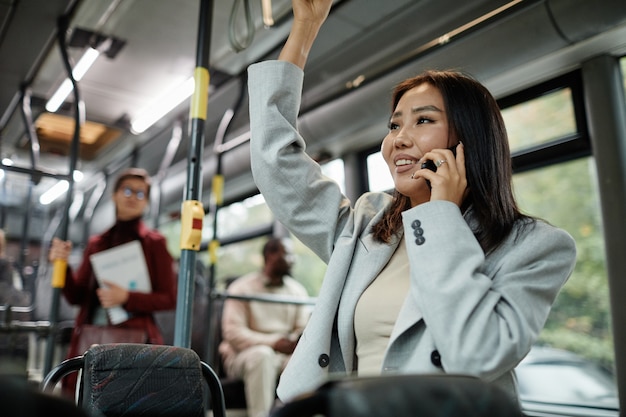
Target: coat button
435,358
416,224
323,360
418,232
420,240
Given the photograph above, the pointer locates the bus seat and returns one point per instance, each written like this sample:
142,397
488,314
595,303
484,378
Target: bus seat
140,379
441,395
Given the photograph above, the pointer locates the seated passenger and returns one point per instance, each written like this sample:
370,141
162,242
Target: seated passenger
258,336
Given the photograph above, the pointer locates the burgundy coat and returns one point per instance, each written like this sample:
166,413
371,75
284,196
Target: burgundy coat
80,287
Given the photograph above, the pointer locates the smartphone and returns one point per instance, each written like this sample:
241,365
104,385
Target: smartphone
431,165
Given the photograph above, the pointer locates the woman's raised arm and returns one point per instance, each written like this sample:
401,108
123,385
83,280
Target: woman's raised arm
309,15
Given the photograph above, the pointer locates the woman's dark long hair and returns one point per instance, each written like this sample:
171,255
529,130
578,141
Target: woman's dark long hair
475,119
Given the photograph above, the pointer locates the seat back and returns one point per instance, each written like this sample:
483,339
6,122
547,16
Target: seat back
151,379
126,379
438,395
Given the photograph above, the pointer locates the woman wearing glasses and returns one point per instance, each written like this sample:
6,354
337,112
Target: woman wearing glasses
130,196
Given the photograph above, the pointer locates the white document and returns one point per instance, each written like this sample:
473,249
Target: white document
124,265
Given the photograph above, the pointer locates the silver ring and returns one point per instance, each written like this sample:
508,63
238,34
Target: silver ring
440,162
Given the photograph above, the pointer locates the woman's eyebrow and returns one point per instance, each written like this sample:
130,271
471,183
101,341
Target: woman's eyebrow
419,109
429,107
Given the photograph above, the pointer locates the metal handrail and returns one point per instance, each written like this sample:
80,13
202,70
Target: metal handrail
222,295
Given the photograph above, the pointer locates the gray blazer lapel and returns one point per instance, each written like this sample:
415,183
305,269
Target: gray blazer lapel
408,316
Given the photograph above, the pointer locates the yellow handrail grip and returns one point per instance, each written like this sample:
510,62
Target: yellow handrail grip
214,245
200,98
218,189
59,270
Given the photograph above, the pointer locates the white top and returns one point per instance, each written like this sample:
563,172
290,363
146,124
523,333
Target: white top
377,311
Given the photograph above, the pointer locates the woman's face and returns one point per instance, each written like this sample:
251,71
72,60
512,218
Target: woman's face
419,123
131,198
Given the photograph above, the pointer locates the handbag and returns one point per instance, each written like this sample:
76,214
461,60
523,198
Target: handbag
89,335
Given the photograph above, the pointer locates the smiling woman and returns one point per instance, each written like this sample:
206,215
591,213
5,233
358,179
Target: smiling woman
418,125
466,279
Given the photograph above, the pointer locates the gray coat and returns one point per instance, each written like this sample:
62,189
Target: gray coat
465,313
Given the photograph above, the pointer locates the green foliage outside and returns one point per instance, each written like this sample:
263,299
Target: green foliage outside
566,196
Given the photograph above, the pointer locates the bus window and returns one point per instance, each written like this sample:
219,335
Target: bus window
378,175
580,318
237,217
533,122
566,194
334,169
237,259
171,231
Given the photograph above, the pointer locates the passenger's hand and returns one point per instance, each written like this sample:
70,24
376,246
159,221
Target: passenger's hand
59,249
285,345
309,15
111,295
450,181
315,11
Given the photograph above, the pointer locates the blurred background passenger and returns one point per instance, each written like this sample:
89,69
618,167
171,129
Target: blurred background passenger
130,196
259,337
